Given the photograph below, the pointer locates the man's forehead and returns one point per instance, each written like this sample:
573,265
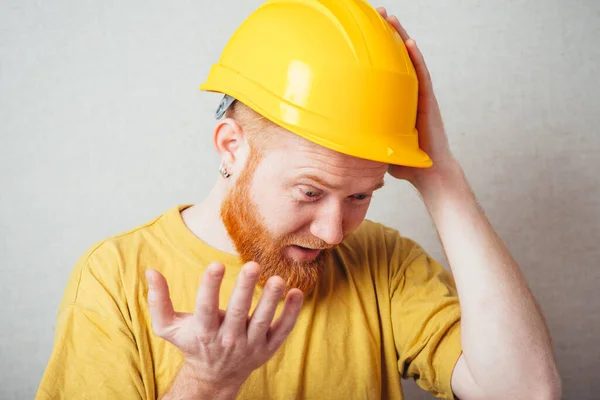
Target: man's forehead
364,184
296,159
298,151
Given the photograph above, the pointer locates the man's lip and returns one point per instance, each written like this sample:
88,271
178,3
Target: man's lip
306,248
304,253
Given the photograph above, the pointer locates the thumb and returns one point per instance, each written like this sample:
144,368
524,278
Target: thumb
159,302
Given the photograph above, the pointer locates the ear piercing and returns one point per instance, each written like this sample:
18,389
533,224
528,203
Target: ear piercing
224,172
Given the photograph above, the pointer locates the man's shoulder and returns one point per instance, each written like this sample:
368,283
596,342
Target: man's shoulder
370,241
371,233
114,259
384,242
128,240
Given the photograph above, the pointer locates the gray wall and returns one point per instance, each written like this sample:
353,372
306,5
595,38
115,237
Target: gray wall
103,128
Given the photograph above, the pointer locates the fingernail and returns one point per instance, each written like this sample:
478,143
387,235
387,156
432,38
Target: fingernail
251,275
297,299
277,288
216,271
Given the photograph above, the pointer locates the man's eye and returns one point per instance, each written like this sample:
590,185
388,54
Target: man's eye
360,196
308,193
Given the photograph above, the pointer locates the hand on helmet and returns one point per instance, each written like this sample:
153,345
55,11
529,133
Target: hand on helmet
432,136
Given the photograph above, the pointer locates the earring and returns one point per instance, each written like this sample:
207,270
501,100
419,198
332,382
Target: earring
224,172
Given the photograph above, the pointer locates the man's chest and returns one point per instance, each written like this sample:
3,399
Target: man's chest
340,348
337,356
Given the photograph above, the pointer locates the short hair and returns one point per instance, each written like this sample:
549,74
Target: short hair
258,129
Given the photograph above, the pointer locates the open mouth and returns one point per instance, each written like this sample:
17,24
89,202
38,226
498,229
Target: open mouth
305,248
303,253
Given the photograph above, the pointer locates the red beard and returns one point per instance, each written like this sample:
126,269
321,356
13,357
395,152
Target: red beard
254,242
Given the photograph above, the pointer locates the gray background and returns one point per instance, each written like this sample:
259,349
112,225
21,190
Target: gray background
103,128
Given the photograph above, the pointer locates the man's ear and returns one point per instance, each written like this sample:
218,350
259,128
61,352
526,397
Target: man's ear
230,143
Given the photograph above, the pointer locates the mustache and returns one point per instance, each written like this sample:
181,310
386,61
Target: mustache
307,242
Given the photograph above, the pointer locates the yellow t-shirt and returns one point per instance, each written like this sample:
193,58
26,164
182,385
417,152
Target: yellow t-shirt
382,310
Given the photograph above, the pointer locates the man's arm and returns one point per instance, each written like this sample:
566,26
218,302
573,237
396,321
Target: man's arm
95,354
507,351
506,346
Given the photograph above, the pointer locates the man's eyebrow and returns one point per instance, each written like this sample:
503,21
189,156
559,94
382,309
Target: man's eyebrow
328,185
378,186
318,180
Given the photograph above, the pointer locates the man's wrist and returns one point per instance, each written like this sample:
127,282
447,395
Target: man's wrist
441,181
189,384
448,193
216,389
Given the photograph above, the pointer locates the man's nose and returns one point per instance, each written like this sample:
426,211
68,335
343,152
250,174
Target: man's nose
328,226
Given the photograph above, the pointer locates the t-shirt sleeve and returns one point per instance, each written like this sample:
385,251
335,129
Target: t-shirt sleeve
425,318
94,354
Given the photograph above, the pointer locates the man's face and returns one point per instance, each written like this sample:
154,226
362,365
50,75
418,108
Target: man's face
293,203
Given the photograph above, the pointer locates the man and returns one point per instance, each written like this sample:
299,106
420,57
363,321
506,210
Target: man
299,296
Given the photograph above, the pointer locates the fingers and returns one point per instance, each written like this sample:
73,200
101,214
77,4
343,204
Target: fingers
416,56
159,301
236,316
393,20
281,328
382,11
207,298
413,51
265,310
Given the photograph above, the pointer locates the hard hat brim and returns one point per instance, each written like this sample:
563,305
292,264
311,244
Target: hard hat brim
393,149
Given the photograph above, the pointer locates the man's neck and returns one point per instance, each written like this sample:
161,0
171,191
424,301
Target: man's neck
204,220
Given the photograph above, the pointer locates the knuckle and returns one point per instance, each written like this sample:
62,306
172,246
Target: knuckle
204,340
153,301
245,284
204,309
287,329
208,285
238,313
228,341
263,324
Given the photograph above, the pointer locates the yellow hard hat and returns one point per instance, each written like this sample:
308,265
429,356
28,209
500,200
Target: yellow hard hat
331,71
